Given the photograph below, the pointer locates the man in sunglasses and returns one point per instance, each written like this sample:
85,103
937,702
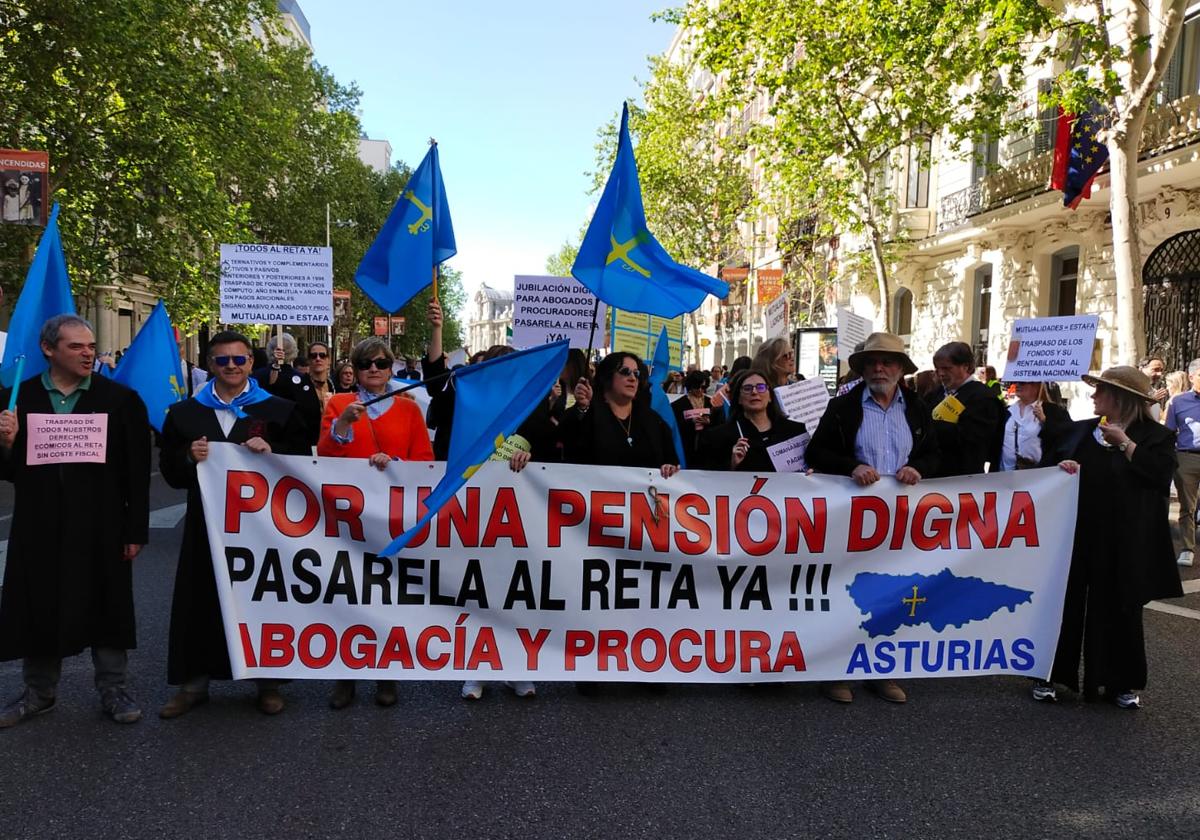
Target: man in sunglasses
878,428
281,379
231,408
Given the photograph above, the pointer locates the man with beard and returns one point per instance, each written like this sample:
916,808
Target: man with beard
879,428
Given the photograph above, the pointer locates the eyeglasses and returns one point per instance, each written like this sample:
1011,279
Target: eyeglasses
627,371
379,364
224,361
754,387
317,354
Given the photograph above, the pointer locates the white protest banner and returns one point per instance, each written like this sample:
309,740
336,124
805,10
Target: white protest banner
1051,349
775,317
67,438
277,284
549,309
566,572
852,330
803,401
788,456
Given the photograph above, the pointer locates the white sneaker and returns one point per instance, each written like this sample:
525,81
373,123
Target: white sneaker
1185,558
522,689
472,690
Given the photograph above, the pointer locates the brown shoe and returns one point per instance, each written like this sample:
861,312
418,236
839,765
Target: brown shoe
343,694
889,690
838,692
385,693
182,703
270,701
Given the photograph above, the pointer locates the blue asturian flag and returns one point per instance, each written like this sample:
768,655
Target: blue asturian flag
491,399
621,261
46,293
417,236
659,401
151,366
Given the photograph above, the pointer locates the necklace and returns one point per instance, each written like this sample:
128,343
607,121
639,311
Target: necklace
626,426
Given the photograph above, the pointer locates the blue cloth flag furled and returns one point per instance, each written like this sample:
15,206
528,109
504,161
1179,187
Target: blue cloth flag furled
491,399
151,366
46,293
417,236
659,401
619,259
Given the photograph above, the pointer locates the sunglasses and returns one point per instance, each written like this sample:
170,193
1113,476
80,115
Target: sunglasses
752,387
224,361
317,354
626,371
378,364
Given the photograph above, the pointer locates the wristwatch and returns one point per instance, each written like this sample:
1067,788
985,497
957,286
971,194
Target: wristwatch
1123,445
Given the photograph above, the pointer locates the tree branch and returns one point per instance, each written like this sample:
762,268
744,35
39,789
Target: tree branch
1171,28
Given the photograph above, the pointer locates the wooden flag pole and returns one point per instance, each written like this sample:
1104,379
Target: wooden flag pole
435,279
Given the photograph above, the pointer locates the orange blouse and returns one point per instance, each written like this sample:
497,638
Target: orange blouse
400,432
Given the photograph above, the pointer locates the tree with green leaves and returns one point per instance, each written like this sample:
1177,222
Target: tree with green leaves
846,84
173,126
1120,77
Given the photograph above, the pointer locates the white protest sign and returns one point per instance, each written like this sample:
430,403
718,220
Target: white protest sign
804,401
775,317
66,438
575,572
788,455
277,284
852,330
1051,349
549,309
458,357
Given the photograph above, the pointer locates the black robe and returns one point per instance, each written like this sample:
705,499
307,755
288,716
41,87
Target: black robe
1123,556
965,446
715,449
196,646
598,437
298,388
67,586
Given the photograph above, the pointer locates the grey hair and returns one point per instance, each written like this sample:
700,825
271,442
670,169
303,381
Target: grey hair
52,329
1193,367
289,348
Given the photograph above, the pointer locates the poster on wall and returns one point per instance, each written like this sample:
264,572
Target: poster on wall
24,187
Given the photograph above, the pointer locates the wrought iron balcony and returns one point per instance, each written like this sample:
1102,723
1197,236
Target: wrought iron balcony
955,208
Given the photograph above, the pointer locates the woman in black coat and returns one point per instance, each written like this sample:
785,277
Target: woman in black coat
1123,556
693,412
755,425
1031,428
619,428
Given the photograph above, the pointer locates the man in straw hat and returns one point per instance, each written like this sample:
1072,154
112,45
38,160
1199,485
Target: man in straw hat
878,428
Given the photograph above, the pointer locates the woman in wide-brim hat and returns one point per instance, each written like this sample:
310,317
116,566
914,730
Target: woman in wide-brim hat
1123,556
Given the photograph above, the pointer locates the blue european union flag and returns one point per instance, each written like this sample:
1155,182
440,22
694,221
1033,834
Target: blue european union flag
417,236
151,366
46,293
619,259
659,368
1078,155
516,383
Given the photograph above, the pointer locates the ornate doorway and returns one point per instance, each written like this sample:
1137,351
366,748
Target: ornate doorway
1171,289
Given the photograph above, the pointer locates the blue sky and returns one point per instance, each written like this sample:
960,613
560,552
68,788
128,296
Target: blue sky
513,92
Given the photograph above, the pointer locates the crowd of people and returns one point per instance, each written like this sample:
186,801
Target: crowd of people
66,590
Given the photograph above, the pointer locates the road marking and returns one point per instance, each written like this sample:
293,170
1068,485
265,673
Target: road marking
1171,609
1190,586
3,559
167,517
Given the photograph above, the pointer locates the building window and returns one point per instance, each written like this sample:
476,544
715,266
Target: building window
983,311
1183,73
902,313
1064,281
918,174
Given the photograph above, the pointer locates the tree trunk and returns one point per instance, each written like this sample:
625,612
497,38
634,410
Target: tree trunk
1127,253
695,340
881,276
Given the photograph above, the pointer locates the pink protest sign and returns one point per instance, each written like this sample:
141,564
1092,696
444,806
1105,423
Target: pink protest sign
66,438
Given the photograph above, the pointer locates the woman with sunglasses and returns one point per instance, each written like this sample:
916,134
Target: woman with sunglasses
387,430
776,360
618,429
755,425
319,365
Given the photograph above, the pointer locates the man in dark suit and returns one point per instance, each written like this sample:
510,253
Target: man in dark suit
232,407
965,420
78,523
281,379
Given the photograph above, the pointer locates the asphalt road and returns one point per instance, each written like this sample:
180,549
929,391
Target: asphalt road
965,757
